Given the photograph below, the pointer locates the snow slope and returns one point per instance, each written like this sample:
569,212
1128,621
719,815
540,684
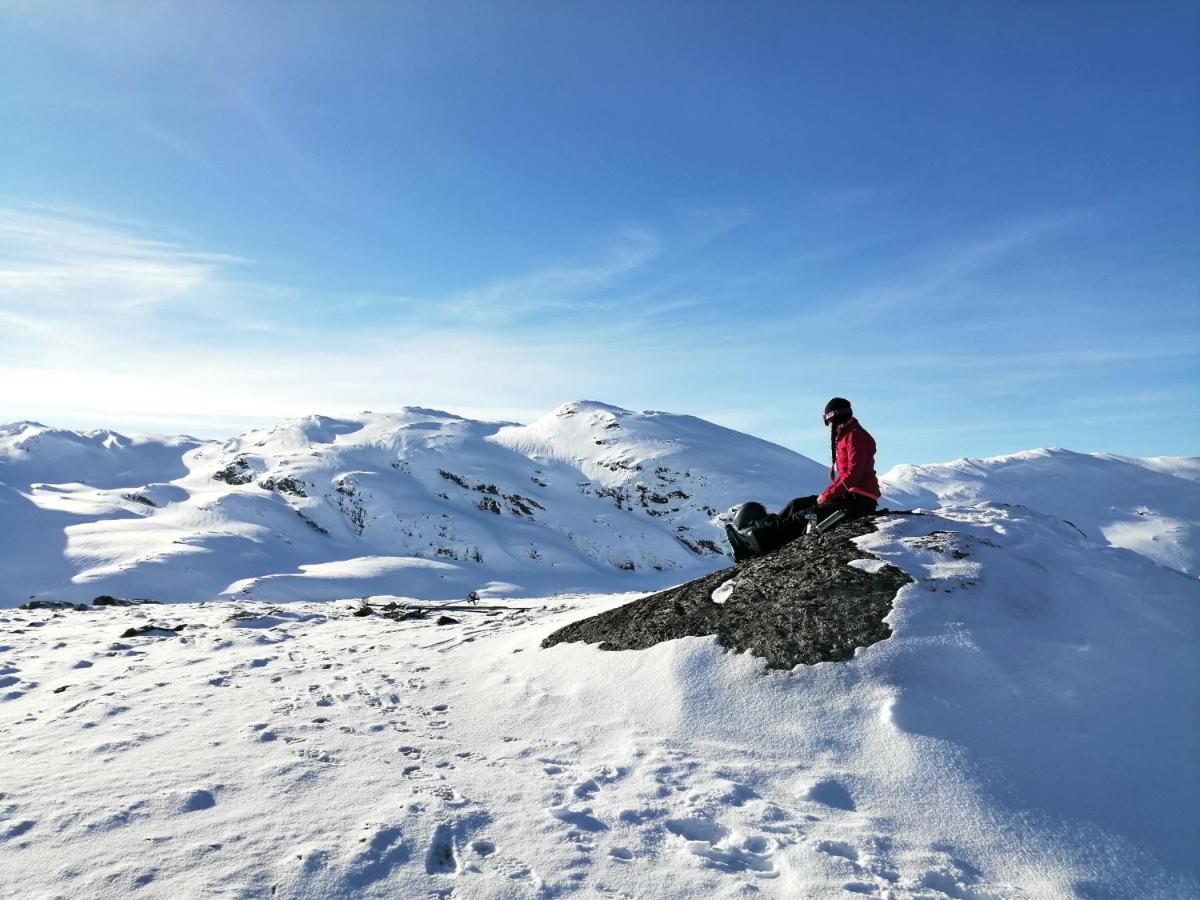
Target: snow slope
419,502
53,481
1151,506
1029,731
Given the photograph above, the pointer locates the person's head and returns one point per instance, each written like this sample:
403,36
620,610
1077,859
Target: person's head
838,412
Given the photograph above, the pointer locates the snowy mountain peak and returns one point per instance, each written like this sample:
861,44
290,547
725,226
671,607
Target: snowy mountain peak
13,429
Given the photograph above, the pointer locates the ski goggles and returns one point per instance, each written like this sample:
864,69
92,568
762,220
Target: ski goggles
834,413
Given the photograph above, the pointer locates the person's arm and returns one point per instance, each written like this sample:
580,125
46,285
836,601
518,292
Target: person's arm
839,484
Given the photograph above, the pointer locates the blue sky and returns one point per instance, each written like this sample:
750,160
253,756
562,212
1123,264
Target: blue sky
978,221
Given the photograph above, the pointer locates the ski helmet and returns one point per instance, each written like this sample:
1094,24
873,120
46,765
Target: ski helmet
837,411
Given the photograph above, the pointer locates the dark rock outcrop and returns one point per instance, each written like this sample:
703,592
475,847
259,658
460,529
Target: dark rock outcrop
153,631
237,472
106,600
285,484
54,604
801,604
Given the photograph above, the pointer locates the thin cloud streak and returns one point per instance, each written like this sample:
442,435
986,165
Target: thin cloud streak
51,258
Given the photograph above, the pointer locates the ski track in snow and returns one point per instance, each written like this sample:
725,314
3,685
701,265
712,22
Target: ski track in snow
297,751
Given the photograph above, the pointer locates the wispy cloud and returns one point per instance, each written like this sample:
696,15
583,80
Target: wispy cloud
951,265
50,258
102,315
556,288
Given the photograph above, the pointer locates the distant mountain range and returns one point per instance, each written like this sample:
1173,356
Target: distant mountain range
428,504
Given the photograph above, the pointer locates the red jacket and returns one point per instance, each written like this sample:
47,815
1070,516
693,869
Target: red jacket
855,464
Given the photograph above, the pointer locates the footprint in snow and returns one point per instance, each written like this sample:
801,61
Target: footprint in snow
840,849
15,830
861,887
587,790
640,816
697,829
709,841
738,795
581,818
441,858
829,792
195,800
385,850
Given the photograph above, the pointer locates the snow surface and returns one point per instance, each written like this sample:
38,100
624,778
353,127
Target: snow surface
1030,730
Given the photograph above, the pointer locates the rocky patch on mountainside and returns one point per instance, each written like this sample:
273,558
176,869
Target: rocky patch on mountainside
237,472
802,604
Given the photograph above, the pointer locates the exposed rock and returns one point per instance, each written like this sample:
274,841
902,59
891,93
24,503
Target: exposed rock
801,604
701,547
404,615
153,631
446,620
522,506
457,479
106,600
311,524
284,485
53,604
487,504
237,472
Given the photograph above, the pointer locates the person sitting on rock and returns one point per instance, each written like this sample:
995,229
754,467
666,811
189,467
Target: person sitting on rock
853,492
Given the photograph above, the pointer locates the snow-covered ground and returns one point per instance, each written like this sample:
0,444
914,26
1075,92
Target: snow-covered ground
1029,730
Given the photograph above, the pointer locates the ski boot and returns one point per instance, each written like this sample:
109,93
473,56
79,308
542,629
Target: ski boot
740,534
742,542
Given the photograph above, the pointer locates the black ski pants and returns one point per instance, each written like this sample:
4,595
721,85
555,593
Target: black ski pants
790,523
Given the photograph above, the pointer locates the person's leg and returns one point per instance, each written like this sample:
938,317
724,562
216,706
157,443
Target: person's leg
749,514
855,506
798,507
791,522
754,532
775,534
